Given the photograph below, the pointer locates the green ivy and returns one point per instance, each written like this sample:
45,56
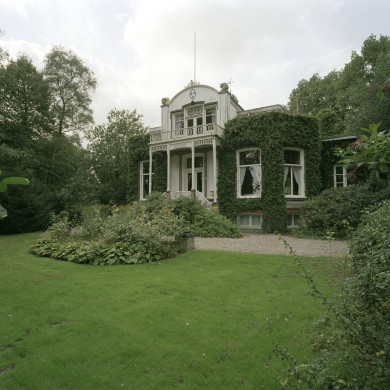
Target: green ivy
271,132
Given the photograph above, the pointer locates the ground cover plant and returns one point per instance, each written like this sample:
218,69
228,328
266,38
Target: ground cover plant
197,321
112,235
142,232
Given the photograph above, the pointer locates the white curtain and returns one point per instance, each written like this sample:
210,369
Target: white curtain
255,172
297,177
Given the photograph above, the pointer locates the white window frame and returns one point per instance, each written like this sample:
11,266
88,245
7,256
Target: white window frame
240,180
345,182
213,115
294,224
142,175
250,216
186,170
181,121
301,165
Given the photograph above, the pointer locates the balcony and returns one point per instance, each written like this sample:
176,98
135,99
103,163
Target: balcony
186,133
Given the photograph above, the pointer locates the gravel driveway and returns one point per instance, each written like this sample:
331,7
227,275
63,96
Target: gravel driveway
270,244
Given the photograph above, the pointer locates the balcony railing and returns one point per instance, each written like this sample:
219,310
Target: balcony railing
188,132
203,200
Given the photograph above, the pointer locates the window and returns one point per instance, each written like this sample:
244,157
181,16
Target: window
293,220
344,177
248,173
249,221
211,115
293,176
144,173
339,176
179,121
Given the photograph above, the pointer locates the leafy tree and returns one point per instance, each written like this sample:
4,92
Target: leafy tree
345,100
110,151
71,84
371,150
24,104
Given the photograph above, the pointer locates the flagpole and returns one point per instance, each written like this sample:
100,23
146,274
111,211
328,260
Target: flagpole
194,57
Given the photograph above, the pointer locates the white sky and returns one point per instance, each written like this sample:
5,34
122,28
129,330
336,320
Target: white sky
143,50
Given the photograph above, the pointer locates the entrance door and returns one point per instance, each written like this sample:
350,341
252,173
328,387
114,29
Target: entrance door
198,180
198,185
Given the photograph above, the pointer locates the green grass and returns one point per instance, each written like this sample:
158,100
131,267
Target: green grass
197,321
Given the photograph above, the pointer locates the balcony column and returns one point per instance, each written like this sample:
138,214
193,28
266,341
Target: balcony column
215,168
193,169
150,169
168,171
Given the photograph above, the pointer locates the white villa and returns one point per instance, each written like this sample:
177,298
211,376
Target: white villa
192,124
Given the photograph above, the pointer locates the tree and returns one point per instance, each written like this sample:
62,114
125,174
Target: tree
110,151
371,150
24,104
345,100
71,84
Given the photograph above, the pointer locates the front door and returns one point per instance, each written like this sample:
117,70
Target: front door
198,185
198,179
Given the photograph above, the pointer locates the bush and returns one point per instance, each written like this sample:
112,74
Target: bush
135,236
357,354
339,209
211,224
203,223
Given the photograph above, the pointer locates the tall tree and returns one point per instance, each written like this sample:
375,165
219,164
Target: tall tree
110,150
24,113
71,84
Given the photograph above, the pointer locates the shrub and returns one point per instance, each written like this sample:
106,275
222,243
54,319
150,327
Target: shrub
211,224
124,237
339,209
356,355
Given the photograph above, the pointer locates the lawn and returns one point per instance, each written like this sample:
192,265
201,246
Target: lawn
197,321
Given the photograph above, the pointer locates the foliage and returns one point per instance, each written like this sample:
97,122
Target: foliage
112,237
3,187
29,209
345,100
37,139
70,83
339,209
203,222
356,354
212,224
372,150
111,152
270,132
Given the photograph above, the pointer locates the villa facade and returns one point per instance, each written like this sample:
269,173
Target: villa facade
226,156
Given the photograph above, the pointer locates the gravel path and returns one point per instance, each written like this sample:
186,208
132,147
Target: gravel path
270,244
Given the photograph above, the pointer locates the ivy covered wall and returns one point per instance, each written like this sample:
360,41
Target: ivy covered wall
271,132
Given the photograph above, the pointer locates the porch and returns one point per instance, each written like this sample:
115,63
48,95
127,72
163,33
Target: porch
192,165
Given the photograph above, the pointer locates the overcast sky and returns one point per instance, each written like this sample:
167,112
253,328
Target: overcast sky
143,50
